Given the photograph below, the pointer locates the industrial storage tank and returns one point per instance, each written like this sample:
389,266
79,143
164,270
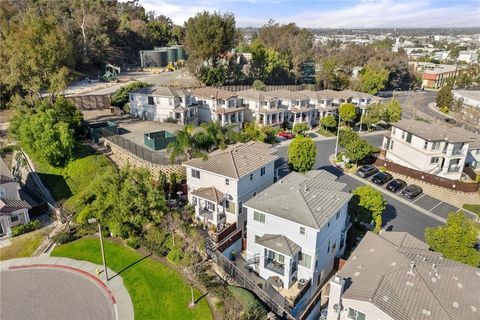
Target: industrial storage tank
181,55
172,54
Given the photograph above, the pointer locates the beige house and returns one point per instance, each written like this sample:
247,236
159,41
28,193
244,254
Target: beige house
13,210
219,185
262,108
394,276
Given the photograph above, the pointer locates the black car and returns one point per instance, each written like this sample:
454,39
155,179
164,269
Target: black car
367,171
396,185
412,191
381,178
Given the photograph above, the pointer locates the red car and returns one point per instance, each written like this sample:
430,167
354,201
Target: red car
285,135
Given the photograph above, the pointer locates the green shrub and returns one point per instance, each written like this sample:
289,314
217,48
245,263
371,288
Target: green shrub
175,255
170,120
157,241
120,98
348,165
340,157
65,237
24,228
133,243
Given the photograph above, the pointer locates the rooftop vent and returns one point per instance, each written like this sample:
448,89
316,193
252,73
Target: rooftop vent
426,312
474,309
393,264
455,304
434,280
385,298
410,284
357,273
412,267
460,285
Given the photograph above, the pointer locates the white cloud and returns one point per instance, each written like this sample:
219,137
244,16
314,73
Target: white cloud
363,14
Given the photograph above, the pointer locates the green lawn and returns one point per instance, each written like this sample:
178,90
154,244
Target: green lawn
245,297
475,208
156,290
324,132
22,246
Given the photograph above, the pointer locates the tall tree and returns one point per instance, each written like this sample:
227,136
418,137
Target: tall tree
208,35
393,111
456,240
348,112
302,153
444,99
373,79
36,55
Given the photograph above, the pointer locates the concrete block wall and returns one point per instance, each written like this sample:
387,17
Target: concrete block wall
122,157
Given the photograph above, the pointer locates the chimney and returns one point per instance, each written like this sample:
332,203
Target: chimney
335,298
412,267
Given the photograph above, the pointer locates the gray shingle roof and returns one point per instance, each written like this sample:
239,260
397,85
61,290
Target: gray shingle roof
215,93
162,91
209,193
11,205
309,199
379,271
236,160
435,132
279,243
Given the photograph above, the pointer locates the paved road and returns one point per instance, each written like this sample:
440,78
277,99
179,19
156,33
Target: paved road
416,103
398,216
52,294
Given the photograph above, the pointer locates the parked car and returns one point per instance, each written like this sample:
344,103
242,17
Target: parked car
412,191
285,135
381,178
367,171
396,185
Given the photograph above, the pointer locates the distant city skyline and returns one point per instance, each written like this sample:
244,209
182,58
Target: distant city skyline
330,14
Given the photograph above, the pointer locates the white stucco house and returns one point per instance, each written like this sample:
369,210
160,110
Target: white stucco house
219,185
296,104
13,210
160,103
262,108
295,229
219,105
394,276
431,148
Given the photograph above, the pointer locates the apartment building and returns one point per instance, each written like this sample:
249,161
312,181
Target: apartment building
219,185
394,276
219,105
427,147
295,229
262,108
161,103
296,104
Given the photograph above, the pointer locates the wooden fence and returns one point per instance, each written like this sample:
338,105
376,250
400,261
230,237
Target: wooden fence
92,102
428,178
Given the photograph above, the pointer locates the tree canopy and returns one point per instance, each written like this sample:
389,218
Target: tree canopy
300,128
373,79
302,153
328,122
456,240
367,205
348,112
444,99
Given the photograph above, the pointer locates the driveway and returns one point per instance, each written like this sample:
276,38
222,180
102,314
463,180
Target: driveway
399,215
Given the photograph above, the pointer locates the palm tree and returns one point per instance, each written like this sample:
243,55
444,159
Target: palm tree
221,135
183,144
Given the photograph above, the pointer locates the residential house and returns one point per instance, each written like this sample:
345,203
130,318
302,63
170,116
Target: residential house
219,105
262,108
322,101
160,103
295,229
468,56
13,210
394,276
467,106
297,105
219,185
427,147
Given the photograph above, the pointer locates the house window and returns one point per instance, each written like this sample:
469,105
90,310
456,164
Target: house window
251,176
259,217
436,145
170,102
256,238
150,101
409,137
195,173
425,145
338,215
404,133
209,206
394,130
194,201
254,193
14,218
328,247
304,260
240,207
227,182
302,231
355,314
2,191
434,160
262,171
391,145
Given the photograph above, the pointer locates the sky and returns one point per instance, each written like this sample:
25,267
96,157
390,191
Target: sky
330,13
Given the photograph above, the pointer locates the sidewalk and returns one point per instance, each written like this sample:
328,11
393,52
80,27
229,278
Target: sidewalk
319,137
114,287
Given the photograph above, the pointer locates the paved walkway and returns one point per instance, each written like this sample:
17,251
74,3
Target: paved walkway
114,289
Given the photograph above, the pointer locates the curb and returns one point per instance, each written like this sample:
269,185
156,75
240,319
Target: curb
393,195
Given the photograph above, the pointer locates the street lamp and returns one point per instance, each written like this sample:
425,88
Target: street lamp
92,221
338,132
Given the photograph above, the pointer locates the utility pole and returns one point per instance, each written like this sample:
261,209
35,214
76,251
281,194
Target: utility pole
338,133
103,251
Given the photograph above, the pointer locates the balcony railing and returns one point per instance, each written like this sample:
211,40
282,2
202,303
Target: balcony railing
274,266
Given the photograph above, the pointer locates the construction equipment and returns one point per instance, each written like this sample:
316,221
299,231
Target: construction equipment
111,73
